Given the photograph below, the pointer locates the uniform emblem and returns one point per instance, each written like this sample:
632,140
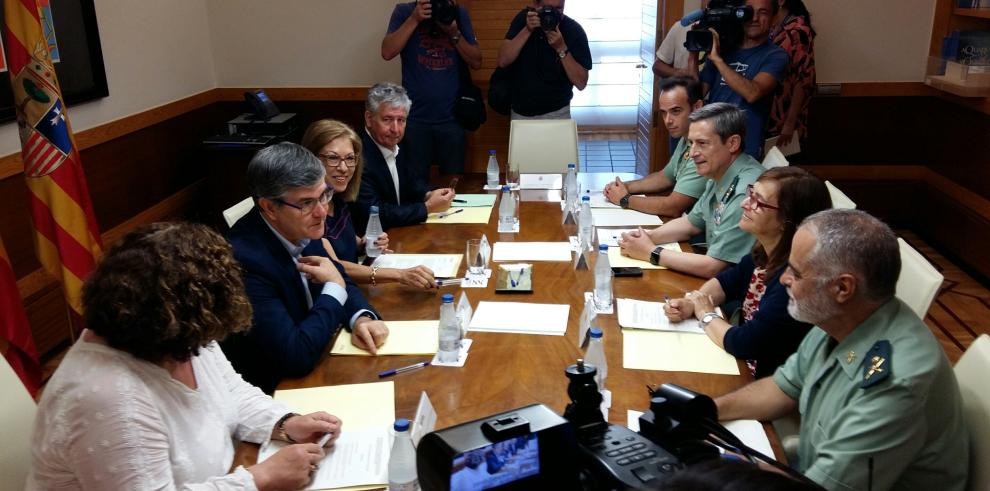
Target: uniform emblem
876,364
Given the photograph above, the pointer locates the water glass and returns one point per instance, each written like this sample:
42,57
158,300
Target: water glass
474,257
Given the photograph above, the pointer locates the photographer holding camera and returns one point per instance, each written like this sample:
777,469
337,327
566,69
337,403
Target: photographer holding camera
549,54
748,75
433,38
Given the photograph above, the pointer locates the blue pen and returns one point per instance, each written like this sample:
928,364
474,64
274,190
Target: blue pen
396,371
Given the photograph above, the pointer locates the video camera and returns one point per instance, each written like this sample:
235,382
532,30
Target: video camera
727,17
444,11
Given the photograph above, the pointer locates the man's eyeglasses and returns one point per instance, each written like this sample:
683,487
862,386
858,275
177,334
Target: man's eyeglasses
755,202
334,160
307,206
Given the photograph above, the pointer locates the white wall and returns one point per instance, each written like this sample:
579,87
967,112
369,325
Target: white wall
155,52
300,43
871,40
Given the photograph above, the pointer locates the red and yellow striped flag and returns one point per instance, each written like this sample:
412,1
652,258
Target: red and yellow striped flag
16,342
67,239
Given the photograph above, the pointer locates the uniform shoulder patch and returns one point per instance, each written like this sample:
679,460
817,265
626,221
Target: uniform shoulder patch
876,364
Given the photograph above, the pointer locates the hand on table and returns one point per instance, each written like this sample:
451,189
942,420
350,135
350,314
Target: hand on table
368,334
636,244
290,468
615,191
310,428
439,200
418,277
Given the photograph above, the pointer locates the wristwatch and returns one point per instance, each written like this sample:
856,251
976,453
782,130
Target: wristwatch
563,53
624,201
655,255
280,427
708,317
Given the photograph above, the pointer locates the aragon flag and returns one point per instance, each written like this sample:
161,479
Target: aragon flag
16,342
67,238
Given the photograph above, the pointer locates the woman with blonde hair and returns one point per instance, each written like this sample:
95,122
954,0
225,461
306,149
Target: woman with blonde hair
339,148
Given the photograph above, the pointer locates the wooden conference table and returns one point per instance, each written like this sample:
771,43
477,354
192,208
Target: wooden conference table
507,371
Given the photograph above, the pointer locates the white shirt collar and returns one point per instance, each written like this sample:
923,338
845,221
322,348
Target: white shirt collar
386,152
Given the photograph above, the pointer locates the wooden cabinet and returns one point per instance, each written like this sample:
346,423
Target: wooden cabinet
949,18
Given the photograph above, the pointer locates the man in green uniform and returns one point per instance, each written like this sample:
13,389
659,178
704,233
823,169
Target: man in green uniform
679,97
880,407
717,133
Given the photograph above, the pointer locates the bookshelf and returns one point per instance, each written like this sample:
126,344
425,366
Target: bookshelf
948,18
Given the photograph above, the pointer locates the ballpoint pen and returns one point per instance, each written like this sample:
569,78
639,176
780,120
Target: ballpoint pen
449,282
445,215
324,439
396,371
455,200
666,298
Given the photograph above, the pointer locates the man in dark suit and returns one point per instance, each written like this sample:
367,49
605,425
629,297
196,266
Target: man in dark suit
299,296
390,181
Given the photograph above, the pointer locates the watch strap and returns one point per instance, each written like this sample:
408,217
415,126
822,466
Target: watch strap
280,427
709,317
655,255
624,201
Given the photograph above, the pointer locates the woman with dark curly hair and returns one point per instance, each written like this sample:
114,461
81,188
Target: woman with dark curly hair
146,399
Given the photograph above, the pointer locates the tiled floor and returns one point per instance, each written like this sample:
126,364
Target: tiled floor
607,155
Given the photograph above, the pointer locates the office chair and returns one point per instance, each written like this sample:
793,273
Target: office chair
839,199
17,417
971,373
774,158
543,145
919,280
234,213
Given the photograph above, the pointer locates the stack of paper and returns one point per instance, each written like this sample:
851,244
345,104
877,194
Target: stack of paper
617,217
442,265
617,260
611,237
474,200
532,251
520,318
359,457
638,314
475,214
674,352
404,338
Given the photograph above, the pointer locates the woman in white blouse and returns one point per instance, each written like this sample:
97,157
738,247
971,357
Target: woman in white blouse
146,399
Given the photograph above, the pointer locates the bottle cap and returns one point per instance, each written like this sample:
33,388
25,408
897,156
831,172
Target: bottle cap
593,332
586,198
491,152
373,209
505,188
602,247
447,298
401,424
572,166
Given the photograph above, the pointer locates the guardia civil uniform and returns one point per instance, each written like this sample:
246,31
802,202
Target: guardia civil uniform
719,209
880,410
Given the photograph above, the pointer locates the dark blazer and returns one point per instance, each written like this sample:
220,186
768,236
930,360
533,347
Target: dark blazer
287,338
378,189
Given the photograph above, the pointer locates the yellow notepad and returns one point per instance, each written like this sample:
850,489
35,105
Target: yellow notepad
617,260
675,352
404,338
479,214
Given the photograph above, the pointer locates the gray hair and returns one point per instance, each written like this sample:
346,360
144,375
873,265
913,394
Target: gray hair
389,94
728,119
277,169
853,241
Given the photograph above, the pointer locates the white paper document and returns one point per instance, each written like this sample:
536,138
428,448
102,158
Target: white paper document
442,265
541,181
617,217
639,314
359,457
532,251
521,318
790,149
611,237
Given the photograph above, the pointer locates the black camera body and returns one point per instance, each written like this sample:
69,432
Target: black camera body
549,17
444,11
728,18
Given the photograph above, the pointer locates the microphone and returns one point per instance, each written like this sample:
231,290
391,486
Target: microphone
692,17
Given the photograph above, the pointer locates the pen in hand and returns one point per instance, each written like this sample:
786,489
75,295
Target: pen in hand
396,371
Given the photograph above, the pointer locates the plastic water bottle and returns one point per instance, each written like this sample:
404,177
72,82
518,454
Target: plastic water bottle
603,279
402,460
586,224
507,210
596,356
492,170
571,187
372,233
450,330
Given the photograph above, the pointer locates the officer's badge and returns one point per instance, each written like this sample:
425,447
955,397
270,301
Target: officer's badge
876,364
